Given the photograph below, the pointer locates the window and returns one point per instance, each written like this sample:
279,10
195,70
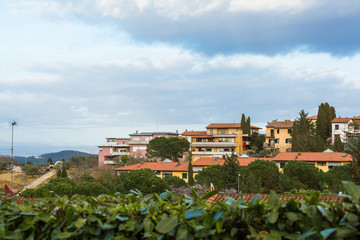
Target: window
289,131
282,164
136,138
288,140
276,140
184,176
278,131
336,127
147,139
272,132
222,131
157,172
211,131
321,163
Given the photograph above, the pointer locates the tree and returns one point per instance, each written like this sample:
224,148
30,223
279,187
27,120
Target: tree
326,114
174,181
334,177
307,175
243,123
302,134
172,147
214,174
260,176
190,171
31,169
352,146
50,161
143,180
58,173
63,171
232,169
90,189
318,144
338,145
5,162
248,125
257,142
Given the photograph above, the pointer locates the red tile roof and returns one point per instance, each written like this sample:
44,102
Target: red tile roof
157,166
312,117
228,125
21,200
248,196
356,118
313,157
280,124
194,133
209,161
341,120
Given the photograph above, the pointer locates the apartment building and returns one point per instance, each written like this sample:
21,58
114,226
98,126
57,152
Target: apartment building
221,139
278,136
345,128
114,147
322,160
134,146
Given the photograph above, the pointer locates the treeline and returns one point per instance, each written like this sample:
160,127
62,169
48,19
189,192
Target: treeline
262,176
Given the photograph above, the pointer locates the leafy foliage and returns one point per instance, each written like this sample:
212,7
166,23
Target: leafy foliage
174,181
302,134
90,189
31,169
170,216
5,162
213,174
172,147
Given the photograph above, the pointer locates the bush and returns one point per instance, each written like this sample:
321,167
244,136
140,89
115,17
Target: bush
181,217
90,189
87,178
143,180
174,181
59,186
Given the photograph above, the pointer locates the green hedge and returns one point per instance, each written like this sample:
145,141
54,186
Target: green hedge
167,216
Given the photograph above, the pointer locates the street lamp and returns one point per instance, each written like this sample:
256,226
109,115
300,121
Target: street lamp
239,183
12,153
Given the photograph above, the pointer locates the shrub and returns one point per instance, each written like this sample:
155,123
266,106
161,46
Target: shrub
90,189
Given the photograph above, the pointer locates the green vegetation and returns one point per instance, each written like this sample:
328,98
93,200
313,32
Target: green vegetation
174,181
162,147
31,168
5,162
170,216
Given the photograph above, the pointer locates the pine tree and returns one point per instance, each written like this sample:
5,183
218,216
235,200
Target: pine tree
58,173
190,171
232,169
318,144
303,132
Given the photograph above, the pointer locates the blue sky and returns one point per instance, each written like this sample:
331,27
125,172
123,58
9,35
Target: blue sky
75,72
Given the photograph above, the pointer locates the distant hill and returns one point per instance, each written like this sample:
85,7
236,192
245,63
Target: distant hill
58,156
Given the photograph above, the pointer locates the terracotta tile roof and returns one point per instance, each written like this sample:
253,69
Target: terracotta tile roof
280,124
248,196
21,200
341,120
357,118
194,133
313,157
312,117
208,161
228,125
157,166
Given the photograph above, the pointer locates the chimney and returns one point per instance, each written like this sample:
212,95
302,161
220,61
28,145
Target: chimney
137,132
344,155
177,131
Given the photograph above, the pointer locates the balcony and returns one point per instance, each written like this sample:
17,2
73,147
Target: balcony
134,142
270,145
214,153
109,162
248,143
214,144
120,153
270,136
225,135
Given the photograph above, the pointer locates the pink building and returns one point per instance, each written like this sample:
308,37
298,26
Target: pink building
134,146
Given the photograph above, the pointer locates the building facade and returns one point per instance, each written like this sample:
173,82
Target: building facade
345,128
221,139
278,136
322,160
135,146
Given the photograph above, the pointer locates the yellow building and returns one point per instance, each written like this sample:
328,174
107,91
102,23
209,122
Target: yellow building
278,136
221,139
322,160
161,169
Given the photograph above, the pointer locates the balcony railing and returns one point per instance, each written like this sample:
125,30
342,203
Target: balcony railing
269,144
270,136
120,153
214,144
213,153
133,142
109,162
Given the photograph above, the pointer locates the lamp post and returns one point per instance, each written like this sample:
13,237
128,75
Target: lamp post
239,183
12,153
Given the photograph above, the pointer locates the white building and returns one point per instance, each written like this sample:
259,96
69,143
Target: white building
344,128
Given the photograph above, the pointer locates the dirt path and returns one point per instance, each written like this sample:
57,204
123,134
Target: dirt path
44,178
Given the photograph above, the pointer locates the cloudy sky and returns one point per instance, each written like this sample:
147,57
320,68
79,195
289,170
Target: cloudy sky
73,72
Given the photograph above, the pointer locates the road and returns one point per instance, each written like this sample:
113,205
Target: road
37,182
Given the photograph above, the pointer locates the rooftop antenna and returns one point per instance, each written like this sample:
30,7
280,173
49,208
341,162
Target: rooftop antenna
12,153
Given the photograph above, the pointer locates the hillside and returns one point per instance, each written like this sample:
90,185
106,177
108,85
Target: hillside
57,156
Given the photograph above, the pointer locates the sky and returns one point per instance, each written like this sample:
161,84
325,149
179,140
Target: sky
73,72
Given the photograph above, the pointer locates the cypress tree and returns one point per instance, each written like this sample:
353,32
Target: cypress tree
321,124
318,144
338,145
63,172
58,173
303,132
248,128
190,171
243,123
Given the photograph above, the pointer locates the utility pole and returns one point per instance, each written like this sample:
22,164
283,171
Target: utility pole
12,153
